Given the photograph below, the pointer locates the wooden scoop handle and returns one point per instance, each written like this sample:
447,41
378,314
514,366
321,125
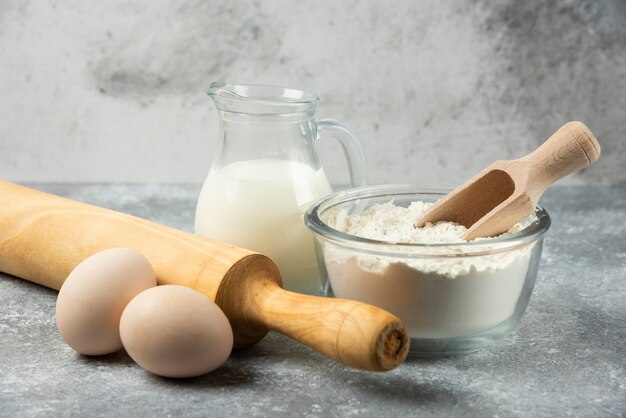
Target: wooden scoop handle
568,150
43,237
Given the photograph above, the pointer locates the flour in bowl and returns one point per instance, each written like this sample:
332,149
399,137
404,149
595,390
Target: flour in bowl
438,291
391,223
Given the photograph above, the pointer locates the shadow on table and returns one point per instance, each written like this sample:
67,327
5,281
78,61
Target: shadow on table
224,376
392,386
119,358
245,367
400,390
231,373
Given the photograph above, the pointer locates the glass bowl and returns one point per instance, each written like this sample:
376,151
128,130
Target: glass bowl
453,298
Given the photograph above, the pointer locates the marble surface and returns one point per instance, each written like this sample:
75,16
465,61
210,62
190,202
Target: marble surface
566,358
114,90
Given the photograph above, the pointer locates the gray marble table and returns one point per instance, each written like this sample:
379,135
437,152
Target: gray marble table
566,358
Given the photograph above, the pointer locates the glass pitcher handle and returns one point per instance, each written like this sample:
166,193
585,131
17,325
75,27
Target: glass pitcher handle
351,147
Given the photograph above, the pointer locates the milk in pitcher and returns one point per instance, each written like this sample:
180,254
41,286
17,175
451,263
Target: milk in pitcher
259,205
266,173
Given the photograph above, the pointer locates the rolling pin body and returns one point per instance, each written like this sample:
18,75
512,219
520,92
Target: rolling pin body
43,237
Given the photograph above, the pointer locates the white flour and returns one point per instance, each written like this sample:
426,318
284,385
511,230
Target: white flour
435,297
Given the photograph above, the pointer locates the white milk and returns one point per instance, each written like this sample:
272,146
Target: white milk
259,205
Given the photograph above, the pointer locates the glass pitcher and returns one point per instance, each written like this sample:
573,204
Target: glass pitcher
267,173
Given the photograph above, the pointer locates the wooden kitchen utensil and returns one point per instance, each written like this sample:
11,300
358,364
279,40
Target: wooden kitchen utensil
43,237
507,191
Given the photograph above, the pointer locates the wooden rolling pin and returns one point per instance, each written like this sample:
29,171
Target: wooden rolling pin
43,237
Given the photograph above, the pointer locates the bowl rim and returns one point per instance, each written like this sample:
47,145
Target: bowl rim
320,229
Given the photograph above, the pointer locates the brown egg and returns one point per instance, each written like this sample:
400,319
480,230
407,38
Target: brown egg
174,331
94,295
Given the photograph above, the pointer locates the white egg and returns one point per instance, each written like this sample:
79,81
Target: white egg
94,295
175,331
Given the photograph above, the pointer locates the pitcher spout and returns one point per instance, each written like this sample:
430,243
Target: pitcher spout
218,88
261,99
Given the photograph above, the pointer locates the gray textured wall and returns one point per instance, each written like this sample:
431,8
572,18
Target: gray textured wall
113,90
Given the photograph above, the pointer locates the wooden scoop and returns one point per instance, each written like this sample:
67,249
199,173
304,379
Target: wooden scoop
507,191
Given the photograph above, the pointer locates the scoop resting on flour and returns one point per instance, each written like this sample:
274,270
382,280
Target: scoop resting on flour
507,191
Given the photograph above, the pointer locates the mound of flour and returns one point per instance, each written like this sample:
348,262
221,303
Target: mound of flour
391,223
436,297
394,224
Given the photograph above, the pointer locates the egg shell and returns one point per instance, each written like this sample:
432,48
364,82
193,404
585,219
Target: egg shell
94,295
175,331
